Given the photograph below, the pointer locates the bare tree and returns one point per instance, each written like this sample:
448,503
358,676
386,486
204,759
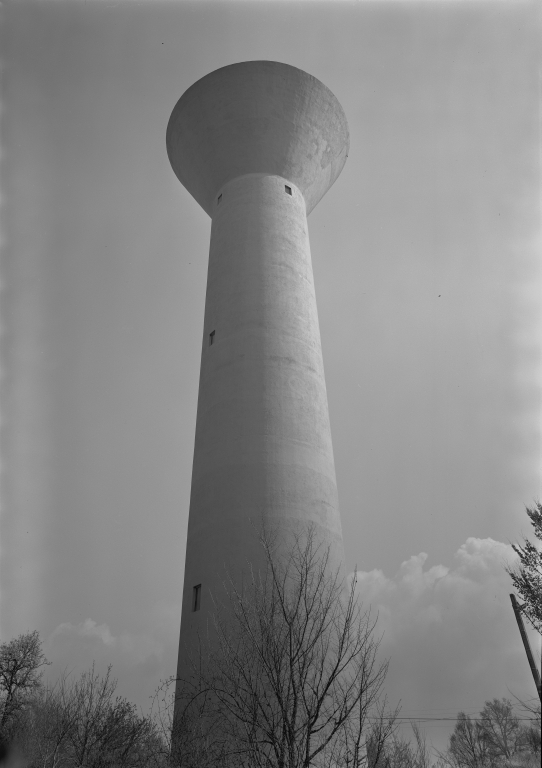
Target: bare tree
20,662
401,753
83,724
291,678
189,733
468,747
496,739
530,710
501,730
106,728
48,720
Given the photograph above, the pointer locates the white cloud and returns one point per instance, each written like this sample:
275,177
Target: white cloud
88,635
449,632
479,570
140,660
87,628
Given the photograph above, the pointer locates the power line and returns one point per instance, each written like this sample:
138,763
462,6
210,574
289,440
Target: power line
428,718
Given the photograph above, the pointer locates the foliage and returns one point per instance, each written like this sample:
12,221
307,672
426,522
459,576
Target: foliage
291,678
527,577
104,727
501,729
497,739
400,753
20,662
83,724
533,730
467,744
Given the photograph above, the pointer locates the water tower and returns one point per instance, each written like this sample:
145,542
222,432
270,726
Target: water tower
257,144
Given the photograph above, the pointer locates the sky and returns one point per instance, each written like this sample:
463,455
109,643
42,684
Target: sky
428,280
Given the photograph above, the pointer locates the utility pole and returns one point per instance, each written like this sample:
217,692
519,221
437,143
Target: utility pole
530,657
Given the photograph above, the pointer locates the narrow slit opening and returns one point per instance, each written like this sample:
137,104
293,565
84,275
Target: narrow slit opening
219,198
211,338
196,597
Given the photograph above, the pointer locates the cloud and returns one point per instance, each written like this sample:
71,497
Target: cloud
139,660
87,628
449,632
130,649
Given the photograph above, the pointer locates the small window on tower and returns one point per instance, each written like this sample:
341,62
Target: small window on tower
288,189
211,338
219,198
196,598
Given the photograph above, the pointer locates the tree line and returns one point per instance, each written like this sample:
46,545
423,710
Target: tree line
291,679
71,722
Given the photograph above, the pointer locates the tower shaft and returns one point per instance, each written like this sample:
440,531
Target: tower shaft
263,457
257,144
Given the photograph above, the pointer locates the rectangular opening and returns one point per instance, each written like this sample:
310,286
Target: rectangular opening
288,189
219,198
211,338
196,597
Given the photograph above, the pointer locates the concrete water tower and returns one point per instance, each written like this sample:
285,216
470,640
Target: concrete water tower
257,144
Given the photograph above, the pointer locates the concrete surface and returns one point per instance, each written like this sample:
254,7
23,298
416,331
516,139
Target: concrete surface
257,117
263,455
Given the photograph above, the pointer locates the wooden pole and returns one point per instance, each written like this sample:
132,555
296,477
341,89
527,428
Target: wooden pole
530,657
